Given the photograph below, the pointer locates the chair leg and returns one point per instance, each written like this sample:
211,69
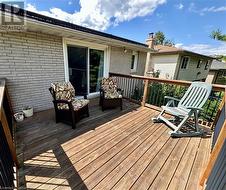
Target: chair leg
181,123
57,119
157,119
196,122
74,119
178,133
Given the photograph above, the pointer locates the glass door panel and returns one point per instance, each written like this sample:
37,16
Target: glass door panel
77,63
96,60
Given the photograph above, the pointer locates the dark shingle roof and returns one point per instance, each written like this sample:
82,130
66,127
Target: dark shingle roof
57,22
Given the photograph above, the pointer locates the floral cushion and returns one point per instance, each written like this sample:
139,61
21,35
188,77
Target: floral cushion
76,103
65,91
109,86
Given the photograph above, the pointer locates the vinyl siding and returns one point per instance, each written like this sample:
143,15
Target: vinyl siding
191,72
120,62
166,64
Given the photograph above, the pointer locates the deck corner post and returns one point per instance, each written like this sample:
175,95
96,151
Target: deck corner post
146,81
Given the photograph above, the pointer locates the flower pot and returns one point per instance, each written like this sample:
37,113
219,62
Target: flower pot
28,111
19,116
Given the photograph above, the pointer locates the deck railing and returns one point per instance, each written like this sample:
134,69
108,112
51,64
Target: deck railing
214,173
8,158
151,91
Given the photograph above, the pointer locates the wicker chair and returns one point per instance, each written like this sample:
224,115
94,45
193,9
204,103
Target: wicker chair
68,109
110,94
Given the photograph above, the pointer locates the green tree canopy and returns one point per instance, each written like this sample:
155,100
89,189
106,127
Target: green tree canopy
217,35
160,39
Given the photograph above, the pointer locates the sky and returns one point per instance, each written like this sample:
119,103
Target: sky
187,22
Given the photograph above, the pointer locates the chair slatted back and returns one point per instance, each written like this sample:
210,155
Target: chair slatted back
196,95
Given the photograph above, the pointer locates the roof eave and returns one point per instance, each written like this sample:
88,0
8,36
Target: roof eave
38,18
181,52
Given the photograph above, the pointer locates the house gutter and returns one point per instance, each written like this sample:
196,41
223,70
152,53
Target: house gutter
65,27
71,33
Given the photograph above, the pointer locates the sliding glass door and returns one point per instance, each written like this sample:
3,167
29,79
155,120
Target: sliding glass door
77,63
85,68
96,69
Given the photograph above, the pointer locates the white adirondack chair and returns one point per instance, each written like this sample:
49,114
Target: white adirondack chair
190,105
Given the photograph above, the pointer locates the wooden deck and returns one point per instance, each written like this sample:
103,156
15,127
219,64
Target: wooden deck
110,150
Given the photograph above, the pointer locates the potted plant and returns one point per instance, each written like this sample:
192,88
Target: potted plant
19,116
28,111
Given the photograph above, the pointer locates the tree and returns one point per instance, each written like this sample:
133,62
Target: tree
169,43
160,39
217,35
221,58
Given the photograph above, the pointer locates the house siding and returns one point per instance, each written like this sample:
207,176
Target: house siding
30,62
190,73
141,63
120,62
166,64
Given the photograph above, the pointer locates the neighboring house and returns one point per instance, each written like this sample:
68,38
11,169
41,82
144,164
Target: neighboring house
52,50
217,73
179,64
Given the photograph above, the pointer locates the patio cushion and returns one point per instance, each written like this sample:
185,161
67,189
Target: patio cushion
109,86
63,90
76,103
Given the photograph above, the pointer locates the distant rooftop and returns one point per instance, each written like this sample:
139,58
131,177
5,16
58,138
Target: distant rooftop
218,65
161,49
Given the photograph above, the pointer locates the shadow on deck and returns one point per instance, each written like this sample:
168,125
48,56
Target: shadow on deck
109,150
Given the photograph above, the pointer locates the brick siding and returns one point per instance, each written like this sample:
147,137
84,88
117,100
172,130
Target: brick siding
30,62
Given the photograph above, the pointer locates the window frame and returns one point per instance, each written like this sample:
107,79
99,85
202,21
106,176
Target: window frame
182,62
207,65
200,61
135,54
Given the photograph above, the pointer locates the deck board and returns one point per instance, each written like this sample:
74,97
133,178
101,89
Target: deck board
109,150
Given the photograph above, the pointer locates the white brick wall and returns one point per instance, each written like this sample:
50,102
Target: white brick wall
30,62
